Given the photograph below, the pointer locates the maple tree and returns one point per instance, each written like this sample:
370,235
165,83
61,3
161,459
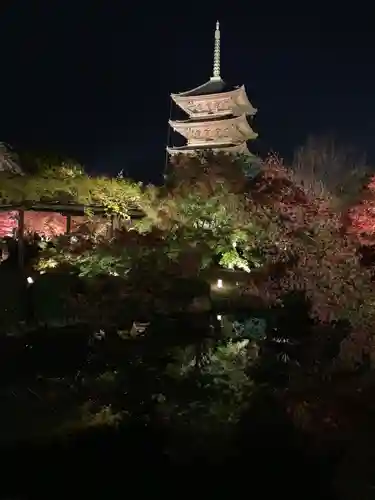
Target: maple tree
360,220
207,207
318,258
8,224
68,183
46,224
220,211
188,229
210,213
200,216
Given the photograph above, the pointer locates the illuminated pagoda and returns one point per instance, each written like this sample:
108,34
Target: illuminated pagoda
218,115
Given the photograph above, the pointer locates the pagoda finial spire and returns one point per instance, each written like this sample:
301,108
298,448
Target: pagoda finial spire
216,68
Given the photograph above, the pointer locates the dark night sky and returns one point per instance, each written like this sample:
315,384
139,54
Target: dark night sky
93,82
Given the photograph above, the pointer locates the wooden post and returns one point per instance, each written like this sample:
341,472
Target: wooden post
111,228
20,235
68,224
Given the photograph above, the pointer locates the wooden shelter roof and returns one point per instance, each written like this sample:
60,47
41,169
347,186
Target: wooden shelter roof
62,208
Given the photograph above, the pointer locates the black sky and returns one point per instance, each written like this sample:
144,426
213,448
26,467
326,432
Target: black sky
91,80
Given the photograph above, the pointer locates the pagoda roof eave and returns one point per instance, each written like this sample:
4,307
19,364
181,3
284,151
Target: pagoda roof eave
239,92
223,147
211,87
241,121
250,108
205,146
207,123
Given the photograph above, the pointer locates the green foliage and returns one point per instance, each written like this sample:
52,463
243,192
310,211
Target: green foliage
64,169
219,390
249,328
194,228
66,182
208,208
210,214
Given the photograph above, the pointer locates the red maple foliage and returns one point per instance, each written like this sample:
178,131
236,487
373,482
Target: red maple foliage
297,208
48,224
8,224
361,217
324,262
305,247
44,223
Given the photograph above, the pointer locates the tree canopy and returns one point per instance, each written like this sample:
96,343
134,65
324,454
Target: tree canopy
195,366
211,212
67,182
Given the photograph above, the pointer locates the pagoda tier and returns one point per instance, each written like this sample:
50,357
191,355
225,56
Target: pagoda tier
227,130
223,101
217,115
218,148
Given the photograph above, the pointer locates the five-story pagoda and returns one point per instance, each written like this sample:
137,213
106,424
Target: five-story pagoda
218,115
